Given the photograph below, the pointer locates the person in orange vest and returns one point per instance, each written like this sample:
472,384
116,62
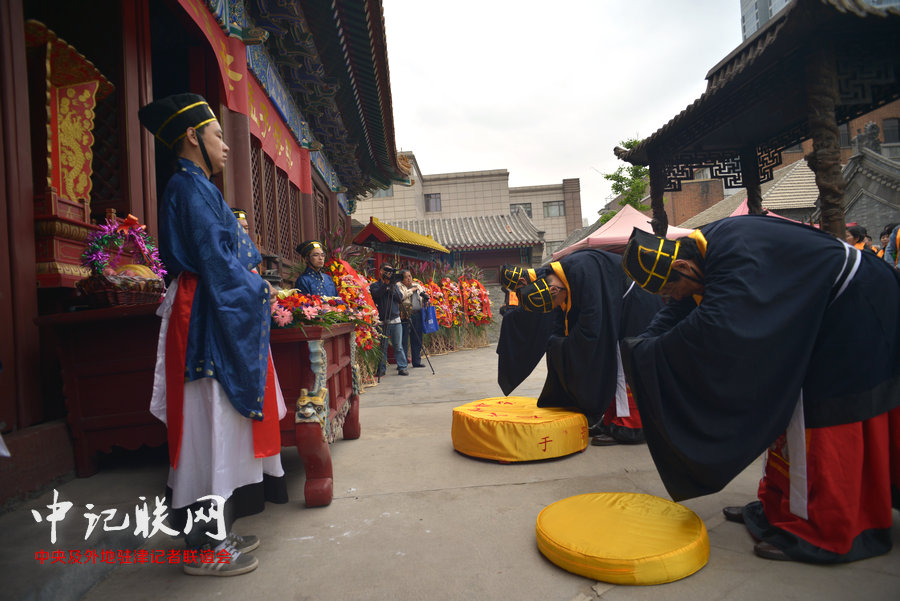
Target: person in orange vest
884,238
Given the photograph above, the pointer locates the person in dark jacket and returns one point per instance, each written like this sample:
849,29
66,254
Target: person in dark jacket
387,296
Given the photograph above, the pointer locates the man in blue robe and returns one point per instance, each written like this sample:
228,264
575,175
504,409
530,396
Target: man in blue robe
215,387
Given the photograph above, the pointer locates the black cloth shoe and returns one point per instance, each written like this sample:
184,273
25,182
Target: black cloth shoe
419,365
598,429
770,551
625,435
734,514
402,372
603,440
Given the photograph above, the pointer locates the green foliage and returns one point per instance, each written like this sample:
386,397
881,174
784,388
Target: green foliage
607,216
630,182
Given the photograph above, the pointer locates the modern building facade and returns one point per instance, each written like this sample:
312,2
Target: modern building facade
554,209
755,13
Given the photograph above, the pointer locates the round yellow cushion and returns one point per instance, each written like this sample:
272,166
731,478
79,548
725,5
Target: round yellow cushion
514,428
623,538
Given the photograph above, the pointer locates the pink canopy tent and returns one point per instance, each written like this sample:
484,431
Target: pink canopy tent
614,234
743,209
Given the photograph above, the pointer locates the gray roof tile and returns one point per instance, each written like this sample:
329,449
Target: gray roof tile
479,232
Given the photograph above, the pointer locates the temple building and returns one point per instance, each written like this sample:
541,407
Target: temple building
303,95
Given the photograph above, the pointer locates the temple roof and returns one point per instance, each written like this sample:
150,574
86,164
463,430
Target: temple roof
479,232
334,61
385,232
755,96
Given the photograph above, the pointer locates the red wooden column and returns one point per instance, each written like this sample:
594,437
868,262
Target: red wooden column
20,398
238,176
137,90
307,200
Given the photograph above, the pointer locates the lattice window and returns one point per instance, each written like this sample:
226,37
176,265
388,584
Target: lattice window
284,214
320,209
296,229
270,208
256,175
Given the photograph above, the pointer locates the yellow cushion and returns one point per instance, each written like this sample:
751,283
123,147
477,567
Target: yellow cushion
514,428
623,538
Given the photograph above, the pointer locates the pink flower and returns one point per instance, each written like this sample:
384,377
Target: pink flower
310,312
282,316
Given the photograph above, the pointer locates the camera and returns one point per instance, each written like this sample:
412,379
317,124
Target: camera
392,274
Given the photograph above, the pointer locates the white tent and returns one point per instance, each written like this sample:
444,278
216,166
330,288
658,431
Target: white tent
614,234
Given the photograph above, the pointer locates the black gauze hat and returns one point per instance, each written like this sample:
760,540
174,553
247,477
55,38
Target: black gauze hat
536,297
304,248
169,117
648,259
510,276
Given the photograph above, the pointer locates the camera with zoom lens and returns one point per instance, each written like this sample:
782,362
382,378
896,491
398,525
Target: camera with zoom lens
393,275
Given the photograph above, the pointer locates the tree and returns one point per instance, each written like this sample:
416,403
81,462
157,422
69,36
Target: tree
629,182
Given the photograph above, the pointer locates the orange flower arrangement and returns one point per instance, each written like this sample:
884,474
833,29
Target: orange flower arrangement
476,301
453,300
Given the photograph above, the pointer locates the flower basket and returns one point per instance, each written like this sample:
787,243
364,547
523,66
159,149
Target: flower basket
112,290
124,263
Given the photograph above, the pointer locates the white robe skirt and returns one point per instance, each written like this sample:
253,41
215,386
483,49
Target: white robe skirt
216,455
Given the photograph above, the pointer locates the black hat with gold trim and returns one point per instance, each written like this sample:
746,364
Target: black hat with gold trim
536,297
511,275
648,259
304,248
239,213
168,118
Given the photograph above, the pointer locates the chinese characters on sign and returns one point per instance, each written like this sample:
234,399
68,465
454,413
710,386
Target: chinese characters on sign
127,556
146,523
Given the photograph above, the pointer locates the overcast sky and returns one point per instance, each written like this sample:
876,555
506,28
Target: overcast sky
546,89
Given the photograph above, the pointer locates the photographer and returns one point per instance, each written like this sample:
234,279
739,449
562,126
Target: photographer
386,294
414,300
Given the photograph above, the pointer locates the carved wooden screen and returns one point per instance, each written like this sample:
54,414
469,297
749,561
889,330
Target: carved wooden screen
270,206
296,230
256,175
320,209
276,207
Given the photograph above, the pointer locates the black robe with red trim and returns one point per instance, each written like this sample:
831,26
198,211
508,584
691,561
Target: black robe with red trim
581,349
717,383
